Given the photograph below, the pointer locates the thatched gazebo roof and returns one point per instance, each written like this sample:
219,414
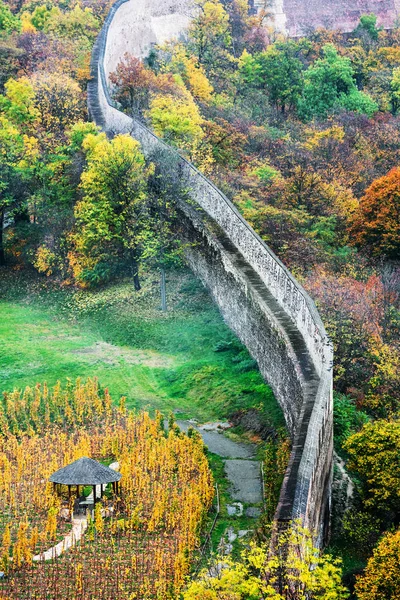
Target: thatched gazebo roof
85,471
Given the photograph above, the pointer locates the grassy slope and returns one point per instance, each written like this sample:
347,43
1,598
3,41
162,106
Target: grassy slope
159,361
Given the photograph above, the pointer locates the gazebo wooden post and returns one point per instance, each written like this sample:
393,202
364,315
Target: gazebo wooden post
77,491
69,492
54,487
94,494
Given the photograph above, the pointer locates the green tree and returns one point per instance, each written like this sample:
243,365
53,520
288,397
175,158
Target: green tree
367,30
18,153
8,22
278,71
40,17
347,419
161,237
395,90
109,216
329,85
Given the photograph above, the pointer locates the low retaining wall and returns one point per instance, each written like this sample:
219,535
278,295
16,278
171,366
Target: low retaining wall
258,297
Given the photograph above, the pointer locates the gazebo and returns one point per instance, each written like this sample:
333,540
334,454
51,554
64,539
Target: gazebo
86,471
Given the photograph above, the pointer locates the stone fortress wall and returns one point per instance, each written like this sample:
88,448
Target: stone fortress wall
258,297
299,17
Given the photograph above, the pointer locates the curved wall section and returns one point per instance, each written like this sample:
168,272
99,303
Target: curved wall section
258,297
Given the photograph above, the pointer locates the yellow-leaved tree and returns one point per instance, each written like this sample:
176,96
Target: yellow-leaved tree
374,456
178,121
192,73
109,218
296,570
381,579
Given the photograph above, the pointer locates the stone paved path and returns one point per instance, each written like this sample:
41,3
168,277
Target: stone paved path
217,443
241,468
79,526
245,478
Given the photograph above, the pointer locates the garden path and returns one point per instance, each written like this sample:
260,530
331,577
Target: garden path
79,526
243,472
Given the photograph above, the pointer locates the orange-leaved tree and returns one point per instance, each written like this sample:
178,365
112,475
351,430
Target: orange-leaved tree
376,225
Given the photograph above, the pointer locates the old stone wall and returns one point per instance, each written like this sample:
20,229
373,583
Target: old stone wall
258,297
299,17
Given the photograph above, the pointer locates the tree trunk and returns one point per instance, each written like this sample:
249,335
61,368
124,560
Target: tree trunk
2,253
163,291
135,273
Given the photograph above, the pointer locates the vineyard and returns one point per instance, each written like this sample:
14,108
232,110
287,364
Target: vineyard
137,545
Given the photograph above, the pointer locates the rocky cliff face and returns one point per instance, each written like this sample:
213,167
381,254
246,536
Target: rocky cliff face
299,17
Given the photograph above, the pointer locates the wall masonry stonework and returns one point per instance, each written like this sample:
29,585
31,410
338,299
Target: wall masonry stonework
299,17
258,297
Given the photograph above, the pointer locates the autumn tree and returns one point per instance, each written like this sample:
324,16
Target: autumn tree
227,142
57,179
353,313
178,121
381,578
383,390
109,216
59,102
75,24
134,83
210,38
176,59
296,571
374,458
376,225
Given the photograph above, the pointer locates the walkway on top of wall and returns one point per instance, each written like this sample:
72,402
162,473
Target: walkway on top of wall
295,339
285,307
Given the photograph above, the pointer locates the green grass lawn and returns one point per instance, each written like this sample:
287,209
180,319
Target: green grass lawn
185,359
